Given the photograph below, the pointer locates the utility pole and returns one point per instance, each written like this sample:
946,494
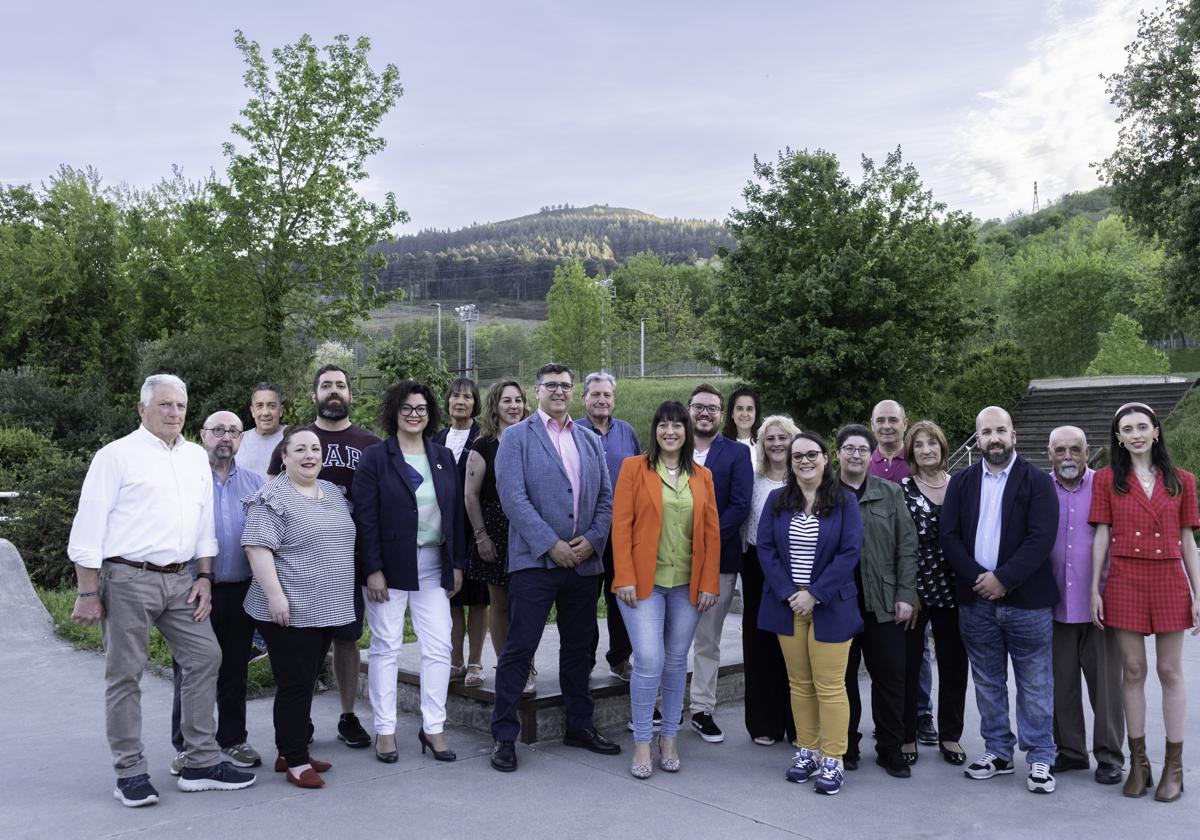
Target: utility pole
468,314
642,330
1036,206
439,355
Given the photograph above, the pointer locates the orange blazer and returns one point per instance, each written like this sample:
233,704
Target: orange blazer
637,521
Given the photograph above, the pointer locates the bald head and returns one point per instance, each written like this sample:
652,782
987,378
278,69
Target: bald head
995,437
1068,452
889,423
221,436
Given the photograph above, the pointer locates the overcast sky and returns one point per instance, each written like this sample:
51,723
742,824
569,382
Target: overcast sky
655,105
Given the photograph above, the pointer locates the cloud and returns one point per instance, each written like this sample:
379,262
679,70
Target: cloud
1050,119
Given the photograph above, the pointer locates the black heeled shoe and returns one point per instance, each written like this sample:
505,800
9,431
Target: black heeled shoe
390,757
440,755
952,757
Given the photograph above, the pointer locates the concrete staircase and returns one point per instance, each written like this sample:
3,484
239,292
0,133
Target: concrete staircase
1089,403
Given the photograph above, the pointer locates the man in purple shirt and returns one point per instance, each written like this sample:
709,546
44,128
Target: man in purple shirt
889,423
1079,646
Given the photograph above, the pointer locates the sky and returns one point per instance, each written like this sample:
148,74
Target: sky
657,105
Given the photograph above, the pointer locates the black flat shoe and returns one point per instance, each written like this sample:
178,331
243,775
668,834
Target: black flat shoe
440,755
909,756
590,739
951,757
894,764
504,756
390,757
1108,774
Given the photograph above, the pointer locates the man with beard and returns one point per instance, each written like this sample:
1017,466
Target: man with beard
1079,646
221,436
733,480
999,521
342,445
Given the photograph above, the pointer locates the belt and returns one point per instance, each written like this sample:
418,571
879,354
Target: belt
169,569
232,582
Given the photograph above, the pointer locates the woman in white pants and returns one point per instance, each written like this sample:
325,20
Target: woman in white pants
408,508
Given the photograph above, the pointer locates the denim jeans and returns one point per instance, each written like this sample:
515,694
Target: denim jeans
660,628
993,633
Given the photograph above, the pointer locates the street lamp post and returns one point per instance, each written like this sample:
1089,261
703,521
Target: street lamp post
642,337
468,314
439,309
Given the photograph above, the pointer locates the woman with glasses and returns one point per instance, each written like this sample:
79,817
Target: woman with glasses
408,506
809,540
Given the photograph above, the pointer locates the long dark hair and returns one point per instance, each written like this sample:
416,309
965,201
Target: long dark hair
671,411
1159,456
829,493
731,430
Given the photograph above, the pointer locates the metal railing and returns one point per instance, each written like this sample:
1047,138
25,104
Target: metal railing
966,452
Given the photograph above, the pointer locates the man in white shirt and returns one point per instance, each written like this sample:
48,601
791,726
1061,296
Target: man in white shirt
145,511
266,407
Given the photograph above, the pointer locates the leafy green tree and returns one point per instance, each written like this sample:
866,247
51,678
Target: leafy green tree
839,293
994,375
673,299
574,330
1124,351
290,232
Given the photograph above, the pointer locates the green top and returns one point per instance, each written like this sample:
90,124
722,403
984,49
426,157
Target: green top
429,515
675,539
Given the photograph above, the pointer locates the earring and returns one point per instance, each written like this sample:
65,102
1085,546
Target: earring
1121,444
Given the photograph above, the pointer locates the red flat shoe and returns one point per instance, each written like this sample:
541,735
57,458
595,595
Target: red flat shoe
317,764
307,779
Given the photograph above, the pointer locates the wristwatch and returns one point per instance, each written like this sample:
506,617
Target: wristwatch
208,576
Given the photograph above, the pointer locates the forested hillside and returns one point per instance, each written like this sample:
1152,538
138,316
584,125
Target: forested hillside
516,258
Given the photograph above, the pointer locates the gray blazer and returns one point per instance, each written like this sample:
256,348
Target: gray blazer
536,496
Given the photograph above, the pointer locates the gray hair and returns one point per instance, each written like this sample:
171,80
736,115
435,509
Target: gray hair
598,376
157,379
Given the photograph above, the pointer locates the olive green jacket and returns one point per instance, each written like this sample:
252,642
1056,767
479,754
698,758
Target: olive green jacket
889,556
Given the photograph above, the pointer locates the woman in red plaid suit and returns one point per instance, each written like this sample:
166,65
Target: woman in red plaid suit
1144,510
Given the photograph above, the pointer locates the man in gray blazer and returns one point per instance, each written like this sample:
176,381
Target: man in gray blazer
554,488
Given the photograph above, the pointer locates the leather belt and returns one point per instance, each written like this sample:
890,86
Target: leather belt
169,569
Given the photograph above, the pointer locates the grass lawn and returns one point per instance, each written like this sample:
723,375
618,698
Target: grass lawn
638,398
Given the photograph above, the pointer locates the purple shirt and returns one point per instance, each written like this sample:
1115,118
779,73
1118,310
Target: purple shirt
1071,557
563,438
893,469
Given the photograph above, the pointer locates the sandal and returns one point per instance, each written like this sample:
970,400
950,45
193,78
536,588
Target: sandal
456,672
474,676
764,740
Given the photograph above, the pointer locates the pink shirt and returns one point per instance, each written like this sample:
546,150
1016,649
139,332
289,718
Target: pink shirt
563,438
893,469
1071,557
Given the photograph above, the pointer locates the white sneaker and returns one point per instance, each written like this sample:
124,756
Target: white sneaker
1040,778
530,689
177,763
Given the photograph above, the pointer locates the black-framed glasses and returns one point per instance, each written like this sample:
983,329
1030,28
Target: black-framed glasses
811,455
856,450
701,408
221,431
558,386
407,410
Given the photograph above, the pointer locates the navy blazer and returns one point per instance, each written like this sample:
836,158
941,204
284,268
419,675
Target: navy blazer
1028,529
836,618
733,479
385,510
472,434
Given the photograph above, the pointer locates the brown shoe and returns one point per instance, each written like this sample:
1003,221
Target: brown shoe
1170,786
307,779
1140,778
317,764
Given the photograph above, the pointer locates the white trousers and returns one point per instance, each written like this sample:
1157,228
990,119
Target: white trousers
430,610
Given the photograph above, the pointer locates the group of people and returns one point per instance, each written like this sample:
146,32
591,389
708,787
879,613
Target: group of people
853,554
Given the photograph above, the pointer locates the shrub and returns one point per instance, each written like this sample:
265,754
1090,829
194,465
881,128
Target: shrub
996,375
78,414
1123,351
1183,433
41,517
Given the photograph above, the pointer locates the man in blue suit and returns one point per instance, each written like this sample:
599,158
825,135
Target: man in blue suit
554,488
733,479
998,526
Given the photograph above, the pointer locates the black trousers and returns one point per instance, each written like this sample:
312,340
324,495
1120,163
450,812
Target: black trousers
235,632
768,703
296,657
619,646
882,645
531,593
952,669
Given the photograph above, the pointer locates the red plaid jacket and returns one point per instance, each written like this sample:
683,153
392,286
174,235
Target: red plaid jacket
1144,527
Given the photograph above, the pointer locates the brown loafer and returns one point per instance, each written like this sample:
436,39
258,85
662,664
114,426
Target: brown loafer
317,764
307,779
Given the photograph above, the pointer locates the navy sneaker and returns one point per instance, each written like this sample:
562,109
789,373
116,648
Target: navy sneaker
804,766
135,791
830,780
218,777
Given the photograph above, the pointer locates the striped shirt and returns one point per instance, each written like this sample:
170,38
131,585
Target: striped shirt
313,544
802,545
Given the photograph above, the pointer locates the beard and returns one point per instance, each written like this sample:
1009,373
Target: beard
1068,470
333,408
998,454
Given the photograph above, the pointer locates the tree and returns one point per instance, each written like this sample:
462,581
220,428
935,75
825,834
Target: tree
839,293
673,299
1156,164
575,316
291,234
1123,351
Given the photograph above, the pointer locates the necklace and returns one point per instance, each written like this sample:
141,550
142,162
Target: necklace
671,471
1147,482
931,485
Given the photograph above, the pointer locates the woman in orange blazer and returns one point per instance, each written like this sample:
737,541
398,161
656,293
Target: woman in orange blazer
667,559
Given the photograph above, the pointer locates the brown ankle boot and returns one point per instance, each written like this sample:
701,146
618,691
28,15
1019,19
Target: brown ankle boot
1170,786
1140,778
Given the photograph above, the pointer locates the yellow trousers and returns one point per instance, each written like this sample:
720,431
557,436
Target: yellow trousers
817,677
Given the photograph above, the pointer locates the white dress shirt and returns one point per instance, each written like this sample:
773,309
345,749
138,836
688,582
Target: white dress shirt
145,502
991,498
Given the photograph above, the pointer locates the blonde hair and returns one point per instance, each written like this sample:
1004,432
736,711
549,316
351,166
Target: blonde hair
782,421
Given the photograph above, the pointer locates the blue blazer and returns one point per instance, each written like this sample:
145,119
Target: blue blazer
1028,529
385,510
536,496
839,542
733,478
472,434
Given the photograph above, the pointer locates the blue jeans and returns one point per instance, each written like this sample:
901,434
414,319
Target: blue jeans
660,629
992,633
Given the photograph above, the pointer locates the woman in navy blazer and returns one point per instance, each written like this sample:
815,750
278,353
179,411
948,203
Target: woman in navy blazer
408,508
809,540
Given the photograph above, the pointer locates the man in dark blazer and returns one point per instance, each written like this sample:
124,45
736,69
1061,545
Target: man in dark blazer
998,526
733,480
554,488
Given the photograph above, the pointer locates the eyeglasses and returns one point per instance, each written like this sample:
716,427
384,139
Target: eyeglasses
221,431
407,410
700,408
856,450
558,386
812,455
